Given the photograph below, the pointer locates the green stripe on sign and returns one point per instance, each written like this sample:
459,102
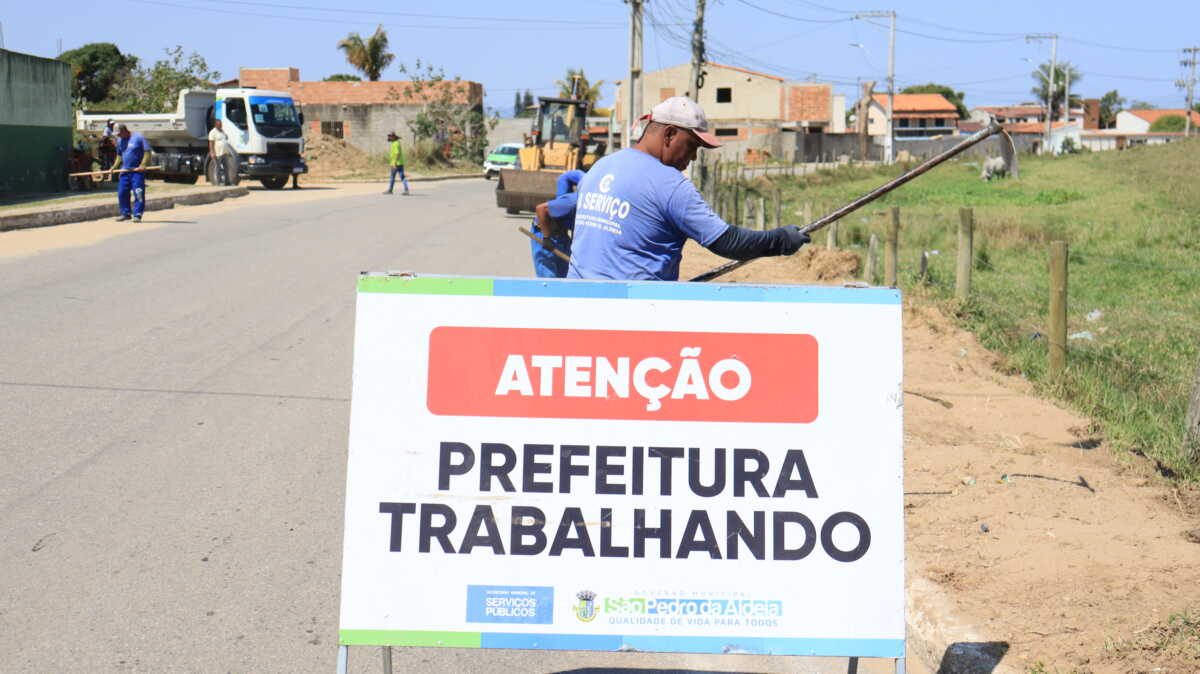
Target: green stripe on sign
424,286
409,638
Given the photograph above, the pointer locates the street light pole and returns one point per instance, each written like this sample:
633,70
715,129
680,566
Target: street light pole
1050,89
889,141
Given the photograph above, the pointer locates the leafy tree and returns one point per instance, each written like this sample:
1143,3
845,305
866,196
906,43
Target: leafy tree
1042,85
1169,123
343,77
370,56
1110,104
157,88
1141,105
95,67
584,90
955,97
458,128
517,104
527,102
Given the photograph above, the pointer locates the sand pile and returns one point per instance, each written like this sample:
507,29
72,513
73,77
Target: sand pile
813,265
332,157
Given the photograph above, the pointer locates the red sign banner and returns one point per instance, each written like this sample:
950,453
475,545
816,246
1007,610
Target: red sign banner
622,374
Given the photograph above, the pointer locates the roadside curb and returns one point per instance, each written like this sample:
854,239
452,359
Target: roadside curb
942,642
411,179
62,216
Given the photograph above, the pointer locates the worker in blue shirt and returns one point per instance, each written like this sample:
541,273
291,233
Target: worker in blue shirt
553,226
636,209
133,155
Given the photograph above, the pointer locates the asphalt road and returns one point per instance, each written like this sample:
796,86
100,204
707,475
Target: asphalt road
173,425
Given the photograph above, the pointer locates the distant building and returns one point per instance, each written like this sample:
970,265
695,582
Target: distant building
1009,114
361,113
35,123
1088,117
1140,121
916,115
744,105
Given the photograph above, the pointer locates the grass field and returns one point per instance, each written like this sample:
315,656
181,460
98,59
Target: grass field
1132,221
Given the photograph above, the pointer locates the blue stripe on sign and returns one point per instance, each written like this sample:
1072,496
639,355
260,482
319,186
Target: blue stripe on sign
552,642
659,290
559,288
863,648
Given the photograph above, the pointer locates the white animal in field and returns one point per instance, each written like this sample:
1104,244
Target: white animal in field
993,167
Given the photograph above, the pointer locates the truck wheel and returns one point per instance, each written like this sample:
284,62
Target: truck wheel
274,182
512,211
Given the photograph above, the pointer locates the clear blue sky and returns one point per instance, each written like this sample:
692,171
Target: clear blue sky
976,47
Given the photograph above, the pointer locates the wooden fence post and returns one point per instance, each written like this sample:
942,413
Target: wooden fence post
762,213
1058,308
779,208
832,241
808,211
1191,434
891,255
869,271
966,227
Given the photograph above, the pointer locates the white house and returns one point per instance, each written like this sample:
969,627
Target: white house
1140,121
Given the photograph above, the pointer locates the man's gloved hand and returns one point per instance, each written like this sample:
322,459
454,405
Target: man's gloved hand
793,239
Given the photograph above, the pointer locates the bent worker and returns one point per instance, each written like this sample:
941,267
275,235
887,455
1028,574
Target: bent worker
636,209
133,153
554,224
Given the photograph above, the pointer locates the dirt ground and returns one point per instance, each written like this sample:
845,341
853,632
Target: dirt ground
1048,548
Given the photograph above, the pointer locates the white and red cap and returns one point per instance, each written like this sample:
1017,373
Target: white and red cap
682,112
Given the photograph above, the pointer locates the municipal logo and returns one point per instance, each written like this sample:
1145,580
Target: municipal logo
585,610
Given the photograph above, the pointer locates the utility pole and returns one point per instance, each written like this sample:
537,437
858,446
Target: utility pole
889,141
635,71
1190,85
697,81
1050,89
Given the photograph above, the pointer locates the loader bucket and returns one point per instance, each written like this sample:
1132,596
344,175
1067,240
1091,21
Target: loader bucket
519,190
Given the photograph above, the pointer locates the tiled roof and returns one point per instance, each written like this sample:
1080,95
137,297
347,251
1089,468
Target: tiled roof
1153,116
917,103
1013,110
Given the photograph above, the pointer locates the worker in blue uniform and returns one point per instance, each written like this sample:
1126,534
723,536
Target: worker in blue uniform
553,227
133,155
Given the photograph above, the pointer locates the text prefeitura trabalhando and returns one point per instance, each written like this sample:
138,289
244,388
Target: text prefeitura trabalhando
616,471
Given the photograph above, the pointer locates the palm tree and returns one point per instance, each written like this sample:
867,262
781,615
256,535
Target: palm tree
584,90
1061,72
371,56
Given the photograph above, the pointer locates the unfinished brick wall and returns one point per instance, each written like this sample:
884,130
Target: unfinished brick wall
809,103
398,92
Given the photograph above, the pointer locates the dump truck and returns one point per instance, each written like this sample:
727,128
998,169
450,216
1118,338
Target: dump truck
558,142
263,127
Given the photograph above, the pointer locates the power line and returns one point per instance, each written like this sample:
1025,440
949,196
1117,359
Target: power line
329,20
343,10
1115,47
945,39
790,17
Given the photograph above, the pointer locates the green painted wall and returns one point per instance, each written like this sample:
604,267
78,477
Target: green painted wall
35,123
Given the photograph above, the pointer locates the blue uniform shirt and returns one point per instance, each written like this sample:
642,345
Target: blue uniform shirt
132,149
633,216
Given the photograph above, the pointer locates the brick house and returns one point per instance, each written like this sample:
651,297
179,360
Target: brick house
362,113
742,104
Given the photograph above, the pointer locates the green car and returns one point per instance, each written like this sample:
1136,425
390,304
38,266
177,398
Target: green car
504,156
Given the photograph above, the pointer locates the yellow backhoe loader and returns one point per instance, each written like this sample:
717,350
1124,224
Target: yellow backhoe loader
558,142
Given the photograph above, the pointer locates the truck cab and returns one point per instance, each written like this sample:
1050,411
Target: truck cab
264,128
